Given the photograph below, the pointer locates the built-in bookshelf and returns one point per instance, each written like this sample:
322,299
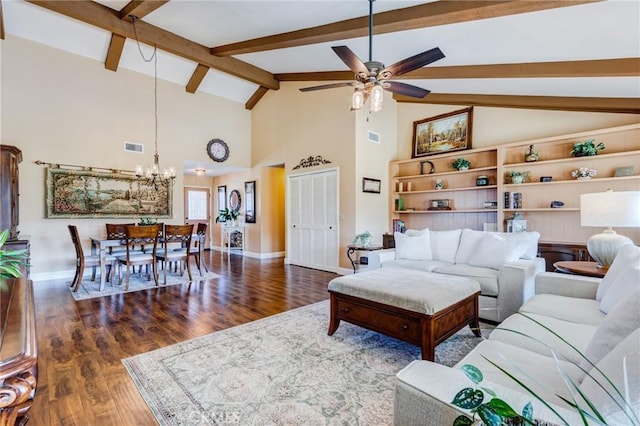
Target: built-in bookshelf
549,179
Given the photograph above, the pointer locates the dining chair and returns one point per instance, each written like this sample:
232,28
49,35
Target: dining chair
195,250
175,234
147,236
82,260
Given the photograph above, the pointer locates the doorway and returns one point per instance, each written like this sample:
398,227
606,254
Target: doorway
197,209
312,231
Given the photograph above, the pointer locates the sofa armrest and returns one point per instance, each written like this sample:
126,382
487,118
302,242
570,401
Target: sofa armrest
567,285
376,257
516,284
424,391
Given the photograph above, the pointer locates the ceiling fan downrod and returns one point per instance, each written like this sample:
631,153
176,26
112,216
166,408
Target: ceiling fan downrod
371,30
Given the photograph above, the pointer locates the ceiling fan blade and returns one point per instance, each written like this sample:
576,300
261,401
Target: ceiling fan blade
328,86
405,89
414,62
353,62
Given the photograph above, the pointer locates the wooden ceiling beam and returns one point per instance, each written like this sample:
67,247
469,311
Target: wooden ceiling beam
619,67
421,16
141,8
1,22
116,46
255,98
108,19
196,78
565,103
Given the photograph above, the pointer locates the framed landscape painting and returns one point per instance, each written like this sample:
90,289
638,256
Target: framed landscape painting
443,133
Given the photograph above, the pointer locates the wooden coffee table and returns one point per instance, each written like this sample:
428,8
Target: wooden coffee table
418,328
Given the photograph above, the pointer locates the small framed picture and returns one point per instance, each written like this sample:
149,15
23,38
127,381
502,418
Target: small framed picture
371,185
624,171
546,178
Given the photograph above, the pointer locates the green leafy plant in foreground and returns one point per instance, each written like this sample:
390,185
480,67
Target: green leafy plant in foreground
11,260
493,412
227,214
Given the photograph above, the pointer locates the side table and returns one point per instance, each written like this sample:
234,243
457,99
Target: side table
351,249
589,269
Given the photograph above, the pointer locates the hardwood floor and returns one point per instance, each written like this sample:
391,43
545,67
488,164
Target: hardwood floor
81,379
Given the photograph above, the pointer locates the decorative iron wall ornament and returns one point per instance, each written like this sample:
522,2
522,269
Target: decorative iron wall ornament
312,161
93,194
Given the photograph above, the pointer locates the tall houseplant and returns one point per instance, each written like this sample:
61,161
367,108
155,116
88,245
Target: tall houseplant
11,260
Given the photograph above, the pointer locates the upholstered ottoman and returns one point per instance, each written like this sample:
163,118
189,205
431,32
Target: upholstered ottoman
414,306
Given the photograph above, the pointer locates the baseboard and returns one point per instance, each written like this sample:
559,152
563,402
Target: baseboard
254,255
57,275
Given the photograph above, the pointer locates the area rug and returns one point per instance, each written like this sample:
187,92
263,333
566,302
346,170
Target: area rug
90,289
282,370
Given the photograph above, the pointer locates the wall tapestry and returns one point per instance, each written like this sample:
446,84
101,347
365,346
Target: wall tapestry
91,194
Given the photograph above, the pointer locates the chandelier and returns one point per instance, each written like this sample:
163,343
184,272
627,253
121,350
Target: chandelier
153,173
371,90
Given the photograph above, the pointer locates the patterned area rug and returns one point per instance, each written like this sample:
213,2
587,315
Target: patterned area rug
90,289
282,370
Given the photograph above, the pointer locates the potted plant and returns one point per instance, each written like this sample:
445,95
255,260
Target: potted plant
147,221
365,239
10,260
586,148
518,177
583,173
228,215
461,164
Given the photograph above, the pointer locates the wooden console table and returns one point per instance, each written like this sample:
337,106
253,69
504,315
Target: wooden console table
18,351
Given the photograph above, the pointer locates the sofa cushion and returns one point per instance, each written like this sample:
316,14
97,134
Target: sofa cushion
494,251
470,241
626,282
613,368
488,278
444,244
578,335
416,265
413,246
546,382
628,255
623,320
583,311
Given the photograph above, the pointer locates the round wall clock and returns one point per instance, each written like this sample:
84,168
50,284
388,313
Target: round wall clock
218,150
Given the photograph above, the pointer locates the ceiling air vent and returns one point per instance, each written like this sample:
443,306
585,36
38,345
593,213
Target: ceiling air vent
373,137
133,147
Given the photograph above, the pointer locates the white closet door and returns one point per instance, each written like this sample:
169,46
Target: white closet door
313,213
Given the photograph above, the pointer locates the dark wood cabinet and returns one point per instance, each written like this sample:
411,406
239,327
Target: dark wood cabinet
10,157
555,252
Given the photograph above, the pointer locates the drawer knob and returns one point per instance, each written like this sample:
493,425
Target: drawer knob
404,327
345,310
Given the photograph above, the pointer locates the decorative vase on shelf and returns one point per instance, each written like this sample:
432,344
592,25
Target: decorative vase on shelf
583,178
530,155
517,179
439,184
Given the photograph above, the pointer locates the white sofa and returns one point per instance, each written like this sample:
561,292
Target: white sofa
505,264
601,318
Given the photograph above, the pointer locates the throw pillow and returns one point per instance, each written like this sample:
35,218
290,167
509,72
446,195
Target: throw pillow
530,239
623,319
626,283
494,251
628,255
413,245
444,244
469,242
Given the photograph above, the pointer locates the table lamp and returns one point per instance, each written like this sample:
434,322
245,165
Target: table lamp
609,209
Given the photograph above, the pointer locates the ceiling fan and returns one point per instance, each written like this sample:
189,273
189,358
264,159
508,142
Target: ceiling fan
372,77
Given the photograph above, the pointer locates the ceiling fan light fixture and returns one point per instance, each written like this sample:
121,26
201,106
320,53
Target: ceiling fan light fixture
377,95
357,99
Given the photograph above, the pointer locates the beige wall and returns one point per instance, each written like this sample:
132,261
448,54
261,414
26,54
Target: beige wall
63,108
270,210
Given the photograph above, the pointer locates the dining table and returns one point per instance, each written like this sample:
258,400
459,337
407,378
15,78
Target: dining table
100,246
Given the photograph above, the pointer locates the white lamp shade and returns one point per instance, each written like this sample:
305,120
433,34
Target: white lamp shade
619,209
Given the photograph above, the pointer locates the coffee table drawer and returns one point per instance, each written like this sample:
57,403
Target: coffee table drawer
390,323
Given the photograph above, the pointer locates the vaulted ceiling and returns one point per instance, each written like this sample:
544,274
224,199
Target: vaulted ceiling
580,55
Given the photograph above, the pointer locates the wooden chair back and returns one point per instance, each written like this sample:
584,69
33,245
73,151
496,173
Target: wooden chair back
178,234
75,238
117,231
147,235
